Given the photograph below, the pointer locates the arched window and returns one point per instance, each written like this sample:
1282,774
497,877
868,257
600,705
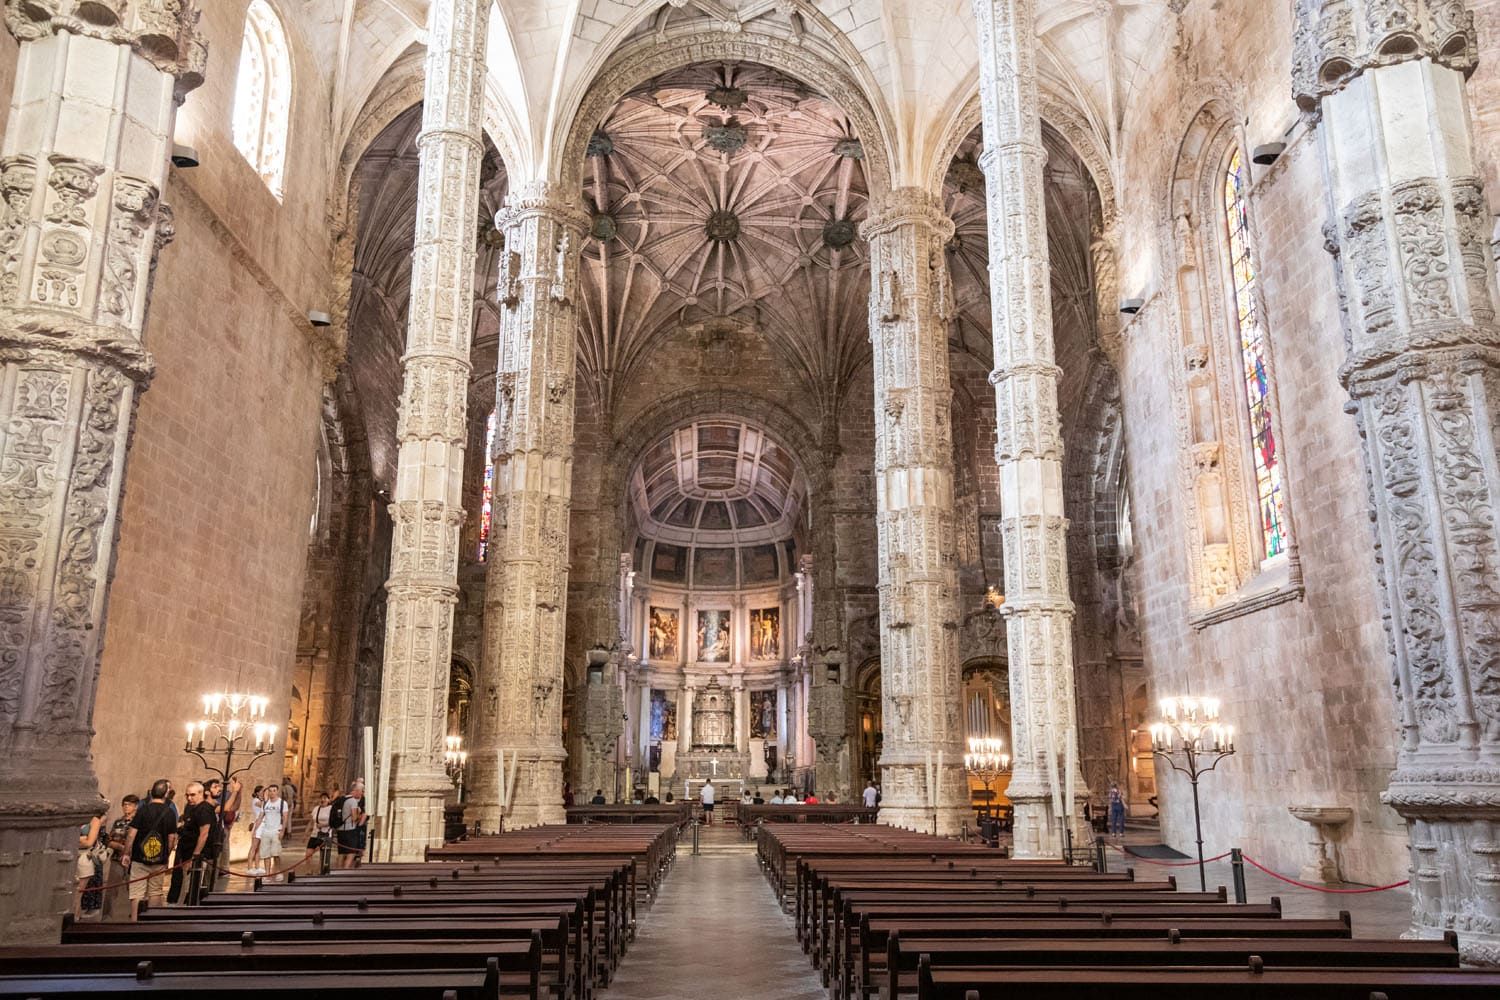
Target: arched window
263,95
1254,370
486,505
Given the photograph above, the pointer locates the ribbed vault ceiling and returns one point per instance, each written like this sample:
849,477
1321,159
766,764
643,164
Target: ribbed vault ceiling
725,194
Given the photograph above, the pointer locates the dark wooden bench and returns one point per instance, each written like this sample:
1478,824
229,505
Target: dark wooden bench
1196,984
903,957
518,964
452,984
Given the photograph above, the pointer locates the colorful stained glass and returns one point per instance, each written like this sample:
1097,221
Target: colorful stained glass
1257,381
486,502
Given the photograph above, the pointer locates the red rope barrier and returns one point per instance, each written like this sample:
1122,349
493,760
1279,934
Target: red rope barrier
115,885
279,871
1190,863
1324,888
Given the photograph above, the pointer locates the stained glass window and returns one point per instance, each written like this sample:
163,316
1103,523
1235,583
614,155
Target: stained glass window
486,503
263,95
1254,369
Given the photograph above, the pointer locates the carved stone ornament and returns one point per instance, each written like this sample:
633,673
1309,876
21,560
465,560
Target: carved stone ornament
1336,40
164,32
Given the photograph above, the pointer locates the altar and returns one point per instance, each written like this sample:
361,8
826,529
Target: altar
713,755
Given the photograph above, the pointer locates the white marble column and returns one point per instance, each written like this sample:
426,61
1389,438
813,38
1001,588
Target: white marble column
427,503
1410,229
82,173
685,717
526,584
911,299
644,729
1029,450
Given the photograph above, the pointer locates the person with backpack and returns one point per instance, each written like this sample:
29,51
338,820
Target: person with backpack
348,814
152,838
197,839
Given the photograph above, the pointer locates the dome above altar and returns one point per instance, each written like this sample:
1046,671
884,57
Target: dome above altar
718,482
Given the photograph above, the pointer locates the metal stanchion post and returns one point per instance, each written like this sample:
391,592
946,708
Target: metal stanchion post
695,835
1237,862
325,859
194,888
1068,840
1101,859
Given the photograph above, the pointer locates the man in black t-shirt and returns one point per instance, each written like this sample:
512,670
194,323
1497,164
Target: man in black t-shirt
152,836
199,824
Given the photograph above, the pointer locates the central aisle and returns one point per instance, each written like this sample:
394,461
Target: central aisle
716,931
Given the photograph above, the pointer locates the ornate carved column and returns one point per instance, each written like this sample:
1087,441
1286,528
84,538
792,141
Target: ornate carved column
911,299
427,502
1409,230
1039,613
82,173
83,167
526,586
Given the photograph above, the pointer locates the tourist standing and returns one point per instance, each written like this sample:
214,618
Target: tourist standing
257,806
196,840
349,814
707,798
152,838
869,794
1116,810
273,816
233,798
91,848
117,871
322,816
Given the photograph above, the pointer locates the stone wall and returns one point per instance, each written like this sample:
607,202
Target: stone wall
1307,681
219,490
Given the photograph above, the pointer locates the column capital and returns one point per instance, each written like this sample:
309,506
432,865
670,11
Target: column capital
164,32
907,206
542,198
1333,43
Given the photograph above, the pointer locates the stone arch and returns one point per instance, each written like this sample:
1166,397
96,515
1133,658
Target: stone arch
646,57
1223,543
1066,120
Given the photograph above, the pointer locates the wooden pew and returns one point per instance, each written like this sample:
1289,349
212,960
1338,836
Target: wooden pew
451,984
518,964
903,957
977,983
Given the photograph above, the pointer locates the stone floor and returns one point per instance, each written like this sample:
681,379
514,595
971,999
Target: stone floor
715,931
1374,914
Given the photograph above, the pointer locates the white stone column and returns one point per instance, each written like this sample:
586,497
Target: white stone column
526,585
1038,610
427,502
644,729
911,299
82,173
1410,227
783,723
685,717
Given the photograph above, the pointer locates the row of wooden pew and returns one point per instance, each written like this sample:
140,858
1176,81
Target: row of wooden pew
887,913
544,914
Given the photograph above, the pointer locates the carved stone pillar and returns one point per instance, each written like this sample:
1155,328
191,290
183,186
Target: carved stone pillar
603,717
1410,229
526,586
427,502
83,167
911,300
1039,613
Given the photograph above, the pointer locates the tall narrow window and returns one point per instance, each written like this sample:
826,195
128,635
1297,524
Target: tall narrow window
263,95
1254,369
486,504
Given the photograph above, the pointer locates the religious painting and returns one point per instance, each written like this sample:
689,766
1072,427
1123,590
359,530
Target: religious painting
663,717
763,715
663,639
713,636
765,633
